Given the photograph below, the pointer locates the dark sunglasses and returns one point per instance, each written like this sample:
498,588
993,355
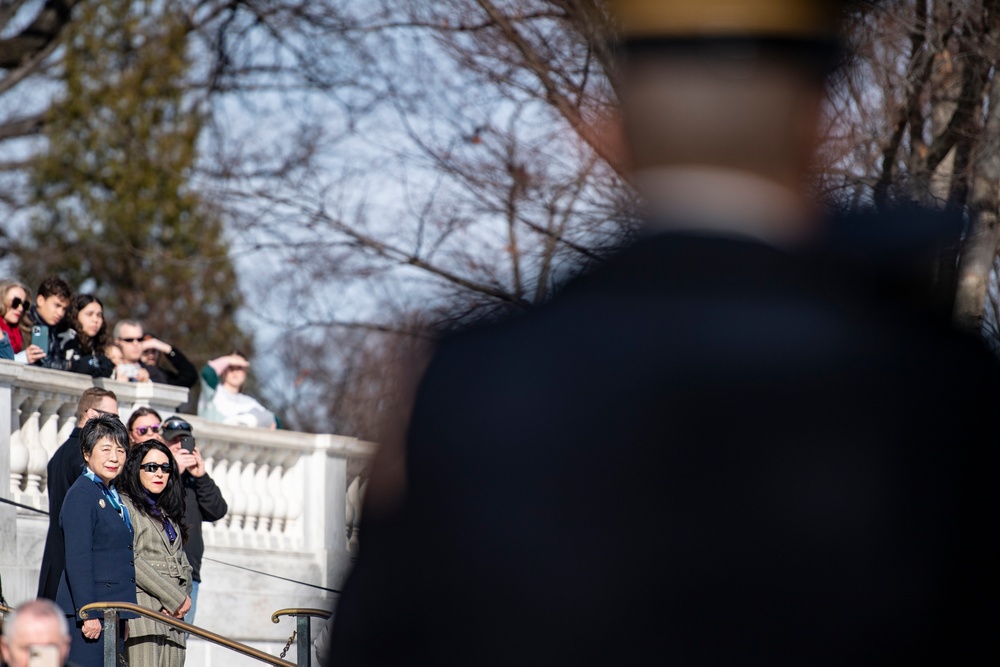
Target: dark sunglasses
130,340
176,425
18,302
143,430
152,467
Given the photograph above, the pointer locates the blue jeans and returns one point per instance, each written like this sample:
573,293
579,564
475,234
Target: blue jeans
189,617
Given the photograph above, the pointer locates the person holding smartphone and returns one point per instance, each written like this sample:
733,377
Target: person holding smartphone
203,500
45,326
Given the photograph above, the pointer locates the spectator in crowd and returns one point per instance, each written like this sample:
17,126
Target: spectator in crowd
221,398
144,424
51,304
114,354
154,496
97,529
35,626
129,336
13,304
203,500
86,350
63,470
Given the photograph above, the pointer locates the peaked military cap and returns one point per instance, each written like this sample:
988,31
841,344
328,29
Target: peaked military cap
694,19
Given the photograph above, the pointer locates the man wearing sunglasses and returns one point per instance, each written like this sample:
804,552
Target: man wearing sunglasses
146,352
63,470
203,500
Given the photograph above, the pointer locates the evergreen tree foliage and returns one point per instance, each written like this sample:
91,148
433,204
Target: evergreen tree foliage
117,215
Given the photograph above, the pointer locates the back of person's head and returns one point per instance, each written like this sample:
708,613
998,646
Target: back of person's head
726,84
38,622
55,286
90,399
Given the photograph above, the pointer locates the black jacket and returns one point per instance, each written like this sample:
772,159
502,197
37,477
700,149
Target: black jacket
63,469
186,374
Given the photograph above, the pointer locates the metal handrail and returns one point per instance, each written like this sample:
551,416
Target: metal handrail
303,630
111,632
295,611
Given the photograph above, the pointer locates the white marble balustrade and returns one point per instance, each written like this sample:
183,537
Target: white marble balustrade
294,505
286,491
38,412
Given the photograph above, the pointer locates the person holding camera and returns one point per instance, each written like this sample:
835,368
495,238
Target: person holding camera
202,497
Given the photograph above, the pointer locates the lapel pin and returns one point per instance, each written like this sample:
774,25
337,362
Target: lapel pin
101,503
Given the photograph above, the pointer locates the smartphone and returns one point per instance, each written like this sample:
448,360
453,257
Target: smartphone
43,655
131,371
40,337
187,442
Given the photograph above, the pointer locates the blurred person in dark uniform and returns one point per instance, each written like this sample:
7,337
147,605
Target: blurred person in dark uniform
711,450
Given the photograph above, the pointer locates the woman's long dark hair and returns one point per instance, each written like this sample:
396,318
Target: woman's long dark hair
89,345
170,501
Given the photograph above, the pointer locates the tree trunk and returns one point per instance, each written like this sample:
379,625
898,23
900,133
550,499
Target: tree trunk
981,240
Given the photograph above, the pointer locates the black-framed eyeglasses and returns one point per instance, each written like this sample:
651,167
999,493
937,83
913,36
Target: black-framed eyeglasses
152,428
165,468
18,302
175,425
105,412
130,340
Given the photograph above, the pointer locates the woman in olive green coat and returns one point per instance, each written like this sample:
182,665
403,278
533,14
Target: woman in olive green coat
155,498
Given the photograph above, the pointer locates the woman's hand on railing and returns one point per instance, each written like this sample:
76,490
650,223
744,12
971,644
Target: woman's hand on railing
184,608
92,628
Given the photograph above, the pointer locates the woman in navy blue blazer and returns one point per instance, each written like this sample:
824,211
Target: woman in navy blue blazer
98,531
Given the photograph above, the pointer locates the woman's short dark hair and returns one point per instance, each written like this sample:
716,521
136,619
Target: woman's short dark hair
100,427
141,412
170,502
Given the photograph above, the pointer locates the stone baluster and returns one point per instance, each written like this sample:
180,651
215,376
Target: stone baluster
275,489
37,456
67,420
18,450
236,498
265,512
220,475
294,488
48,432
252,508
